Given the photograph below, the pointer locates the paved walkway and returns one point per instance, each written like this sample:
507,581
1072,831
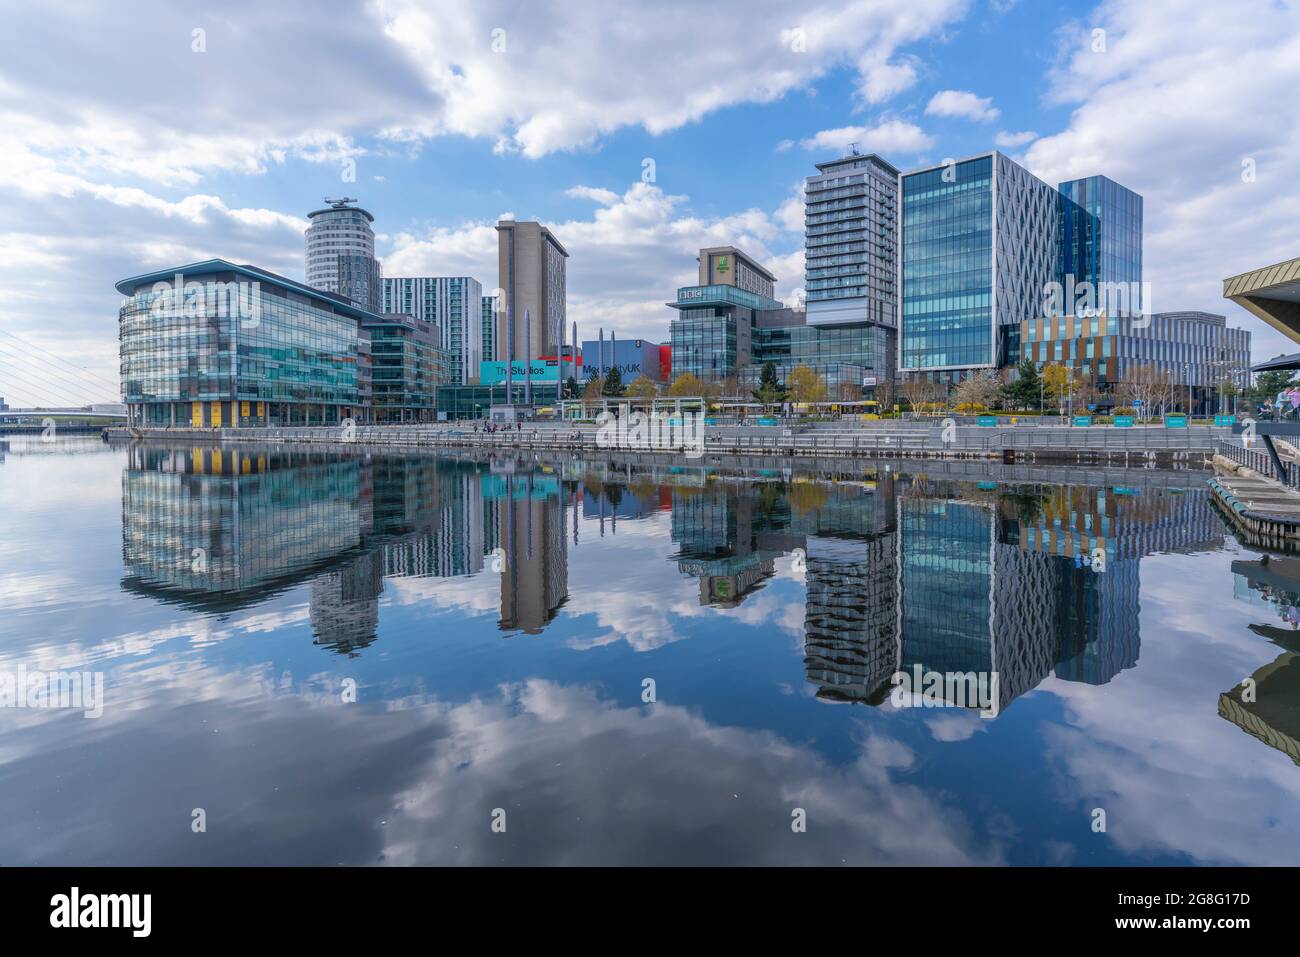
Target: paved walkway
1263,497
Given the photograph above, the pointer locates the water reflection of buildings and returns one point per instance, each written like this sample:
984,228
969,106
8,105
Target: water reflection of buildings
534,568
949,576
1034,579
720,543
1268,707
219,530
954,577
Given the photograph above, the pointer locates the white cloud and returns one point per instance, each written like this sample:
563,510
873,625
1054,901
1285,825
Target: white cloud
962,104
890,136
1009,140
546,84
605,197
883,80
644,241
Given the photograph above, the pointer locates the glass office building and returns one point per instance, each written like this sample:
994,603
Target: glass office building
724,331
407,365
979,241
849,358
456,402
712,336
983,240
214,344
1100,233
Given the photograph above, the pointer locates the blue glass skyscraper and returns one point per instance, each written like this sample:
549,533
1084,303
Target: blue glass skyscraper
979,240
983,240
1100,234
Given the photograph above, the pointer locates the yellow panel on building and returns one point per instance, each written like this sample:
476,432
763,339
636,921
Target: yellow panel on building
196,413
243,409
216,461
216,415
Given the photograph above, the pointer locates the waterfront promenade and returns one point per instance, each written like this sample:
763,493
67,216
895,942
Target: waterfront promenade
897,438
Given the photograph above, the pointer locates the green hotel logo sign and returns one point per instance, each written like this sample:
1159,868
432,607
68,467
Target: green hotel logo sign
723,264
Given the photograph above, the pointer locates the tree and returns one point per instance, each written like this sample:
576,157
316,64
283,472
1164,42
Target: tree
1056,383
571,390
594,388
883,393
919,391
1023,392
1147,388
731,388
613,387
1083,393
643,387
977,392
1269,384
770,391
686,384
805,385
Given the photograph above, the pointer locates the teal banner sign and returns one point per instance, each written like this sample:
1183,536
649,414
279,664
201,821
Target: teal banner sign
1225,420
988,421
768,420
1082,421
1123,421
1175,421
494,373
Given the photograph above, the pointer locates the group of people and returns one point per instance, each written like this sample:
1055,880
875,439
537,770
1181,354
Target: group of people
490,427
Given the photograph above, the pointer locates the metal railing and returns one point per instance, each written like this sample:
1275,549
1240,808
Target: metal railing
1260,461
858,439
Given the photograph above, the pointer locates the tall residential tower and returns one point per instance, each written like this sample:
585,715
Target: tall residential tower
851,263
340,249
455,305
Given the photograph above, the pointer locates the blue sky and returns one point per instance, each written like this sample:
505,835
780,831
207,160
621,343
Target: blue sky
125,148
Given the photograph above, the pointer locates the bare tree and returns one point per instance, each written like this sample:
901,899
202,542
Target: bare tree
1147,387
919,391
979,391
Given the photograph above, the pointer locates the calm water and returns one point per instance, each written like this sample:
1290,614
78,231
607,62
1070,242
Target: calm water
504,620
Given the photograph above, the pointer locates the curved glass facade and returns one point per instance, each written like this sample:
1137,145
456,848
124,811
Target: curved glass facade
262,356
